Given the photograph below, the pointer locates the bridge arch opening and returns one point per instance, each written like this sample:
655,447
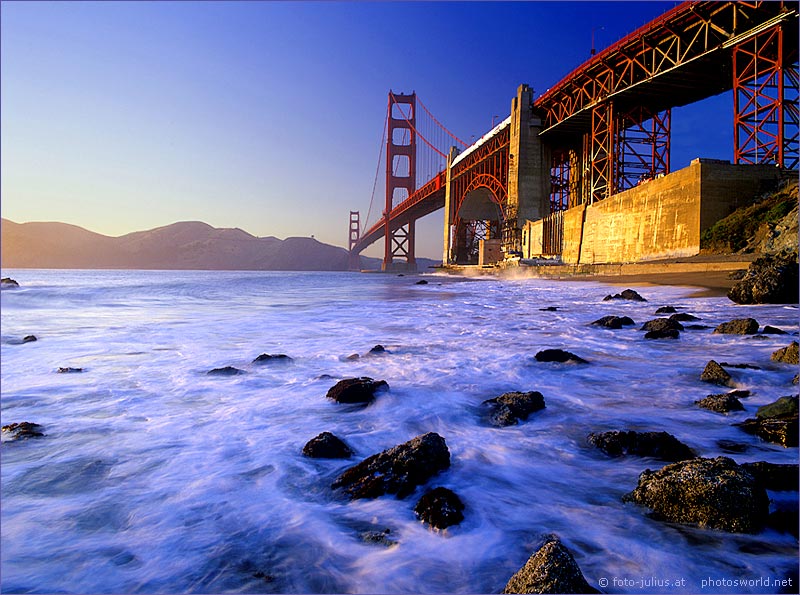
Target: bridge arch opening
479,217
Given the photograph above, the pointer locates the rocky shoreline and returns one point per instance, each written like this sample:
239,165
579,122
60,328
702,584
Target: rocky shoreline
689,489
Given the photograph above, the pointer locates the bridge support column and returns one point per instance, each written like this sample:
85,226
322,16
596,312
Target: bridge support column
354,262
602,152
449,210
401,174
528,171
765,99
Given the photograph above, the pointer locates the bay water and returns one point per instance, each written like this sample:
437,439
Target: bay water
154,477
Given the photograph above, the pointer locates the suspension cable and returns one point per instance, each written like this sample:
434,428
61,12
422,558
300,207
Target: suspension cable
415,130
377,172
440,124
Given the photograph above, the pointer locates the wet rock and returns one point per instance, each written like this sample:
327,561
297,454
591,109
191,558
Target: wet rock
732,447
552,569
421,282
70,370
509,408
666,310
628,294
666,334
29,338
773,330
560,356
714,493
8,283
796,379
21,430
356,390
715,374
614,322
226,371
352,357
783,407
697,327
440,508
683,317
738,326
397,470
327,446
770,279
785,521
549,309
739,366
278,358
738,274
776,477
662,324
721,403
378,349
378,537
660,445
786,355
781,431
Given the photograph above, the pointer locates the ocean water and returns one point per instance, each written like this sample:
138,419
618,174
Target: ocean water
156,478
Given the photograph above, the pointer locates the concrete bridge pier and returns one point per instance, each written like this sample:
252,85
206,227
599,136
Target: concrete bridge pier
528,171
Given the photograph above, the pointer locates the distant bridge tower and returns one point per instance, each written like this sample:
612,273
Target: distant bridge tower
355,235
401,178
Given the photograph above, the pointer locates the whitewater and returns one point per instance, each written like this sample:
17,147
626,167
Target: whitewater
154,477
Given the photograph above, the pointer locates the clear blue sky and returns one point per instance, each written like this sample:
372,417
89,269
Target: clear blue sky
122,116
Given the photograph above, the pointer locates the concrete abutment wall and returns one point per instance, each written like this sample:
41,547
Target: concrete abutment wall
662,218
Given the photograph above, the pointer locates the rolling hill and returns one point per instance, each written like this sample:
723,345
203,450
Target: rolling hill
184,245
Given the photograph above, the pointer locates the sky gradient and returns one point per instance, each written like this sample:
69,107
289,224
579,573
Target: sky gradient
267,116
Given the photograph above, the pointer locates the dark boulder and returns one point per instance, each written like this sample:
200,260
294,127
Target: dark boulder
714,493
781,431
356,390
785,521
738,326
739,366
21,430
378,537
378,349
715,374
397,470
786,355
70,370
29,338
697,327
560,356
326,446
666,310
552,569
665,334
278,358
549,309
732,446
684,317
440,508
614,322
352,357
773,330
509,408
770,279
662,324
628,294
421,282
226,371
721,403
659,445
783,407
8,283
779,478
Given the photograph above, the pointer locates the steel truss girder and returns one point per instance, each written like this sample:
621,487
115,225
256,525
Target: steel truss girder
559,180
602,152
765,101
685,36
642,146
